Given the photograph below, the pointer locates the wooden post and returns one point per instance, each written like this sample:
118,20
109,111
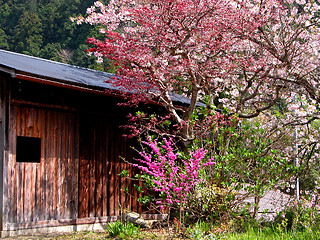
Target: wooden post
4,131
1,161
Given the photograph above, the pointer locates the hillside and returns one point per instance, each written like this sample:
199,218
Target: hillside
42,28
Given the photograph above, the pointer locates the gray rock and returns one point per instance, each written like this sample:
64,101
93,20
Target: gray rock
135,218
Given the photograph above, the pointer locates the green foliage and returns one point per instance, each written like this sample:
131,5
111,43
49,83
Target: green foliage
298,217
43,29
115,228
81,58
309,161
297,221
247,164
28,34
121,231
210,202
200,230
52,51
3,40
271,234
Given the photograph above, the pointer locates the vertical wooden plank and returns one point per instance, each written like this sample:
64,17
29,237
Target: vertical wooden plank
47,189
20,166
20,123
84,190
111,176
129,167
12,204
61,168
27,192
99,162
35,133
122,167
20,195
133,199
21,131
37,196
84,170
133,173
75,165
37,178
54,169
73,210
117,171
69,152
67,169
92,173
33,172
48,161
27,168
105,179
32,166
3,160
43,165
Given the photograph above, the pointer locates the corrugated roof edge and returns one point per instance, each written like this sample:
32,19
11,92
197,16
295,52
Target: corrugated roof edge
51,61
175,97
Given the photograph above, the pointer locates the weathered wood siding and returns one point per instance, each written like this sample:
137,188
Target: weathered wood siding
3,148
101,149
81,150
49,189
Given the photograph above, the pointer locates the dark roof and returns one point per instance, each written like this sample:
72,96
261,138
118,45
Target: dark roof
17,63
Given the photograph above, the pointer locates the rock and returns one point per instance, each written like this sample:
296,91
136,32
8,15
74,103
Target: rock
135,218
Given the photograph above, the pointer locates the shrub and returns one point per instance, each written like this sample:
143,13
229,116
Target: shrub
299,217
118,229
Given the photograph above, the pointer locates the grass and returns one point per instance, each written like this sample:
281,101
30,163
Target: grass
200,230
272,234
267,234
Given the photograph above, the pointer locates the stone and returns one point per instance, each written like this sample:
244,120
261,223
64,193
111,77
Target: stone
135,218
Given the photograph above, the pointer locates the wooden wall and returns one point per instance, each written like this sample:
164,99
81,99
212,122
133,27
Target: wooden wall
49,189
3,146
101,149
81,145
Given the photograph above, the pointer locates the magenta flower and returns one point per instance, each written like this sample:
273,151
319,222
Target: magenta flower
173,176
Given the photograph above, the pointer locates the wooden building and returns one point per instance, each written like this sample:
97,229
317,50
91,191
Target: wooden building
60,147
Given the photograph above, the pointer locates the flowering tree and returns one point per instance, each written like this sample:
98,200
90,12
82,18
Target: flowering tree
247,54
250,56
170,173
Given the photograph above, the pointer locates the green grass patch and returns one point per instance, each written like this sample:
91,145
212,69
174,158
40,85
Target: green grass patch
272,234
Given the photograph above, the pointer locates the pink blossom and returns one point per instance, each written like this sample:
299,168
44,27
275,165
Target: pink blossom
173,176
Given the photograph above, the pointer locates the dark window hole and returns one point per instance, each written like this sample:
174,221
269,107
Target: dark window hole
28,149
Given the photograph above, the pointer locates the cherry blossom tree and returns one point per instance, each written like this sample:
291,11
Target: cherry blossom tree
257,58
246,55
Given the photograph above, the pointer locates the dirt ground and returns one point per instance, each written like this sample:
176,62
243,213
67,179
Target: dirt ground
147,234
76,235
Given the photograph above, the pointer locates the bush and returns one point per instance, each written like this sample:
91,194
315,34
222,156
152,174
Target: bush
118,229
298,217
200,230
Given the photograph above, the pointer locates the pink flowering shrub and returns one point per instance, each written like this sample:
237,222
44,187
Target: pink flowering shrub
171,173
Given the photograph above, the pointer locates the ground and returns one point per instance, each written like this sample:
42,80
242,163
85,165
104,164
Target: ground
76,235
147,234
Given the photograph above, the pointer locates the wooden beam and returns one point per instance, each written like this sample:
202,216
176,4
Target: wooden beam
43,106
1,163
4,131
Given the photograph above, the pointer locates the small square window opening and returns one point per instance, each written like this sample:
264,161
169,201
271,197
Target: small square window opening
28,149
